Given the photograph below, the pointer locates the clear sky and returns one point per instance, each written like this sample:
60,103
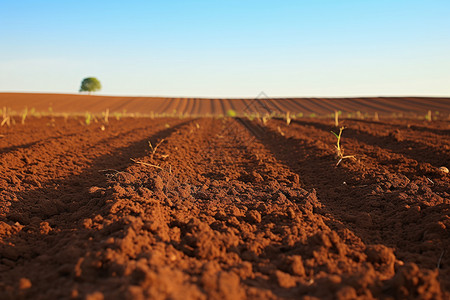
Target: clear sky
228,48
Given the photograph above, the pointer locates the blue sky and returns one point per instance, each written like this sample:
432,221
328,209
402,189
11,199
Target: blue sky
227,48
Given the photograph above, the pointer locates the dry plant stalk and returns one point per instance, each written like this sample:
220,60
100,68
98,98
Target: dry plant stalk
6,118
339,151
146,164
265,119
24,115
106,115
280,131
154,148
288,118
428,116
375,118
336,118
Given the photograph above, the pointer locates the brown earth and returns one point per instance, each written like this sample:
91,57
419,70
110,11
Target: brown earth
68,103
234,209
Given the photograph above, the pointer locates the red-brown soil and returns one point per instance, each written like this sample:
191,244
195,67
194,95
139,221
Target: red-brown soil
67,103
238,210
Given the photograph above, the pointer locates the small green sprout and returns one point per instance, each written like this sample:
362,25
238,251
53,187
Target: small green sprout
231,113
88,119
24,115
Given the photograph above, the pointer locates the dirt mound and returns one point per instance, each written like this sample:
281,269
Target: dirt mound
223,209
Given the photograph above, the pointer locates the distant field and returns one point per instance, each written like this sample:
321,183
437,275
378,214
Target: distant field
69,103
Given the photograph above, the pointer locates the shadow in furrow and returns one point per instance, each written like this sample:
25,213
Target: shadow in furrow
382,218
61,207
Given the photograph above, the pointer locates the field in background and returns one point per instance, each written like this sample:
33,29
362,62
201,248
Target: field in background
251,207
312,107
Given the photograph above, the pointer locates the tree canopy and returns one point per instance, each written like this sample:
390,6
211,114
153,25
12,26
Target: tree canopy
90,84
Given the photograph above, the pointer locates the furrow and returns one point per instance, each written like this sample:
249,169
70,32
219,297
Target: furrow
379,204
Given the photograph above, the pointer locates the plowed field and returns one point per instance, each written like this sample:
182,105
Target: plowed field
224,209
69,103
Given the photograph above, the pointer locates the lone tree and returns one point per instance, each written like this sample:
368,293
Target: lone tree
90,84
